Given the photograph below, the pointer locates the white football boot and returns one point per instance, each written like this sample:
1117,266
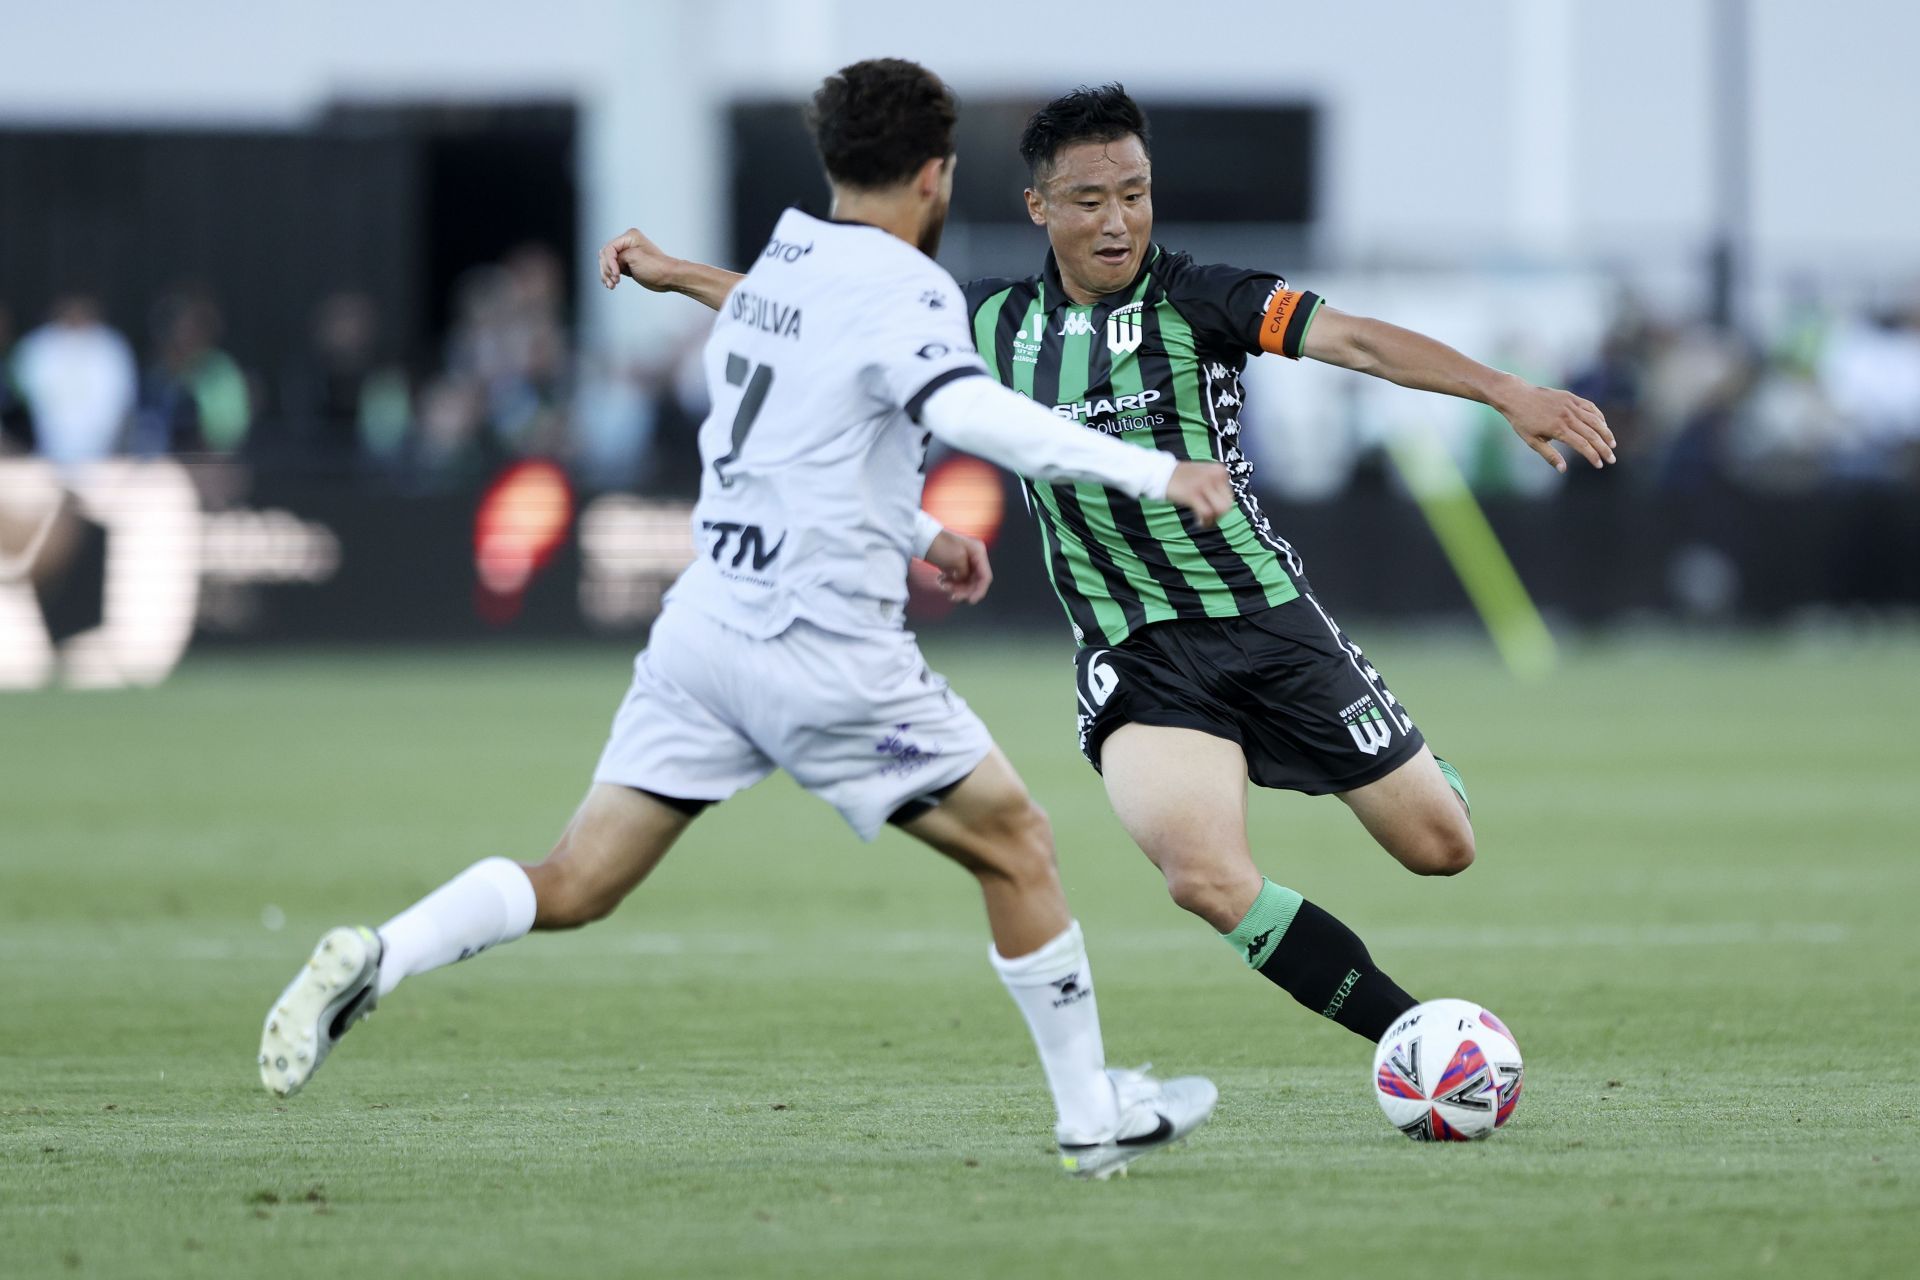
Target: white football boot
1153,1114
336,989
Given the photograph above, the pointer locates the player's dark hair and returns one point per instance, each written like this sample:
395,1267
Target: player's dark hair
876,122
1103,114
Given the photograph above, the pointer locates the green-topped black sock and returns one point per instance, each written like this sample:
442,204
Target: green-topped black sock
1318,961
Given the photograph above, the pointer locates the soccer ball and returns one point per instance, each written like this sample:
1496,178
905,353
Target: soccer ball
1447,1071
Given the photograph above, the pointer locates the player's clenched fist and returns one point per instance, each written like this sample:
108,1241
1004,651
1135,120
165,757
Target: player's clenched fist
965,572
1202,488
632,254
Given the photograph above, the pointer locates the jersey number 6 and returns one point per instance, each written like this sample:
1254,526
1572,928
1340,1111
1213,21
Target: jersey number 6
1098,679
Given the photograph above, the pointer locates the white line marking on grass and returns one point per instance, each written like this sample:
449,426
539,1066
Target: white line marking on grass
1727,933
1731,933
72,941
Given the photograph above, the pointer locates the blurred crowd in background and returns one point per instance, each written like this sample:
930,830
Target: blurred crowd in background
1830,399
509,382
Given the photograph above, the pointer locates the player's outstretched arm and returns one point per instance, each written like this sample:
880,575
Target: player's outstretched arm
1538,415
982,417
640,259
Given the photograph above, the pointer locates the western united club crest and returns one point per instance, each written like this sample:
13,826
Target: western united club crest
1370,729
1123,329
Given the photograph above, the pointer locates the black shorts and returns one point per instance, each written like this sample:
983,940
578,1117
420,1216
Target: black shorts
1306,707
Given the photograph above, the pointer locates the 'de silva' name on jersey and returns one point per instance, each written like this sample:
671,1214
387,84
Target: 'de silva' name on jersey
765,314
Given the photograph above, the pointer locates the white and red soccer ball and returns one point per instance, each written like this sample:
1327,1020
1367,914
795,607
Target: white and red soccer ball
1447,1071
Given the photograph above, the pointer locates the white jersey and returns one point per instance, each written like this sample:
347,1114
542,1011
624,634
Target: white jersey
812,456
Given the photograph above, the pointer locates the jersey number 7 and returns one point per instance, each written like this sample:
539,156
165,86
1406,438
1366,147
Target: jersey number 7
758,380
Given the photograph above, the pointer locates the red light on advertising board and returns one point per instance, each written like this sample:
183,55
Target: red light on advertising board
967,496
521,524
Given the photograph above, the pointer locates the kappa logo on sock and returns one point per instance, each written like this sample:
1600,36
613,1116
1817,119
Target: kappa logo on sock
1071,992
1258,945
1340,996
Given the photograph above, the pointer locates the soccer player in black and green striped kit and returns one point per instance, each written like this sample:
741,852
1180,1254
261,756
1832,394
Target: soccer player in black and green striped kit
1205,659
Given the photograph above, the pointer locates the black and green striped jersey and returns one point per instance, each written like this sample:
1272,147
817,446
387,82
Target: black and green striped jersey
1157,364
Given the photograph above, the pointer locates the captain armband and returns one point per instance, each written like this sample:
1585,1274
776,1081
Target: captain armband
1283,327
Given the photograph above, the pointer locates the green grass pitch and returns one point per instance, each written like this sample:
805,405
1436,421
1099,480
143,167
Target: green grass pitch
787,1055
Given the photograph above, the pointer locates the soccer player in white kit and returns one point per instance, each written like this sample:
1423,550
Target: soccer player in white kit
782,646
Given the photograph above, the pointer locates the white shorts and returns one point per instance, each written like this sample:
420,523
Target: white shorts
859,721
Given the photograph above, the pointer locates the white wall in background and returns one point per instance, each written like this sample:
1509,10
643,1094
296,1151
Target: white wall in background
1465,131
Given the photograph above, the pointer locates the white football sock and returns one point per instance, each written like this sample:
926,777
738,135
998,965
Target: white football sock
488,903
1054,989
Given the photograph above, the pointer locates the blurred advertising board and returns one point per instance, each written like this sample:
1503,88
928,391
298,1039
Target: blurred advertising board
110,572
108,569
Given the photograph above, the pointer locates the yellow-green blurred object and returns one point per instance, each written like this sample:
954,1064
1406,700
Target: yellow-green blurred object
1477,557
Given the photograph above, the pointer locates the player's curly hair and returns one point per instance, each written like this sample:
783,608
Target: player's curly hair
1103,114
876,122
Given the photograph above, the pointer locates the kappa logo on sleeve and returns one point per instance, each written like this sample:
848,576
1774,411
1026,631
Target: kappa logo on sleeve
934,300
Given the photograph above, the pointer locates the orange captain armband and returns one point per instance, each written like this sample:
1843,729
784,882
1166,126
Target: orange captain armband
1283,329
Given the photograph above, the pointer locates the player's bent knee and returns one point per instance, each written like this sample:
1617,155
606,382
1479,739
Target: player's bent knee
565,897
1207,892
1190,892
1444,850
1037,829
1018,845
561,903
1031,842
